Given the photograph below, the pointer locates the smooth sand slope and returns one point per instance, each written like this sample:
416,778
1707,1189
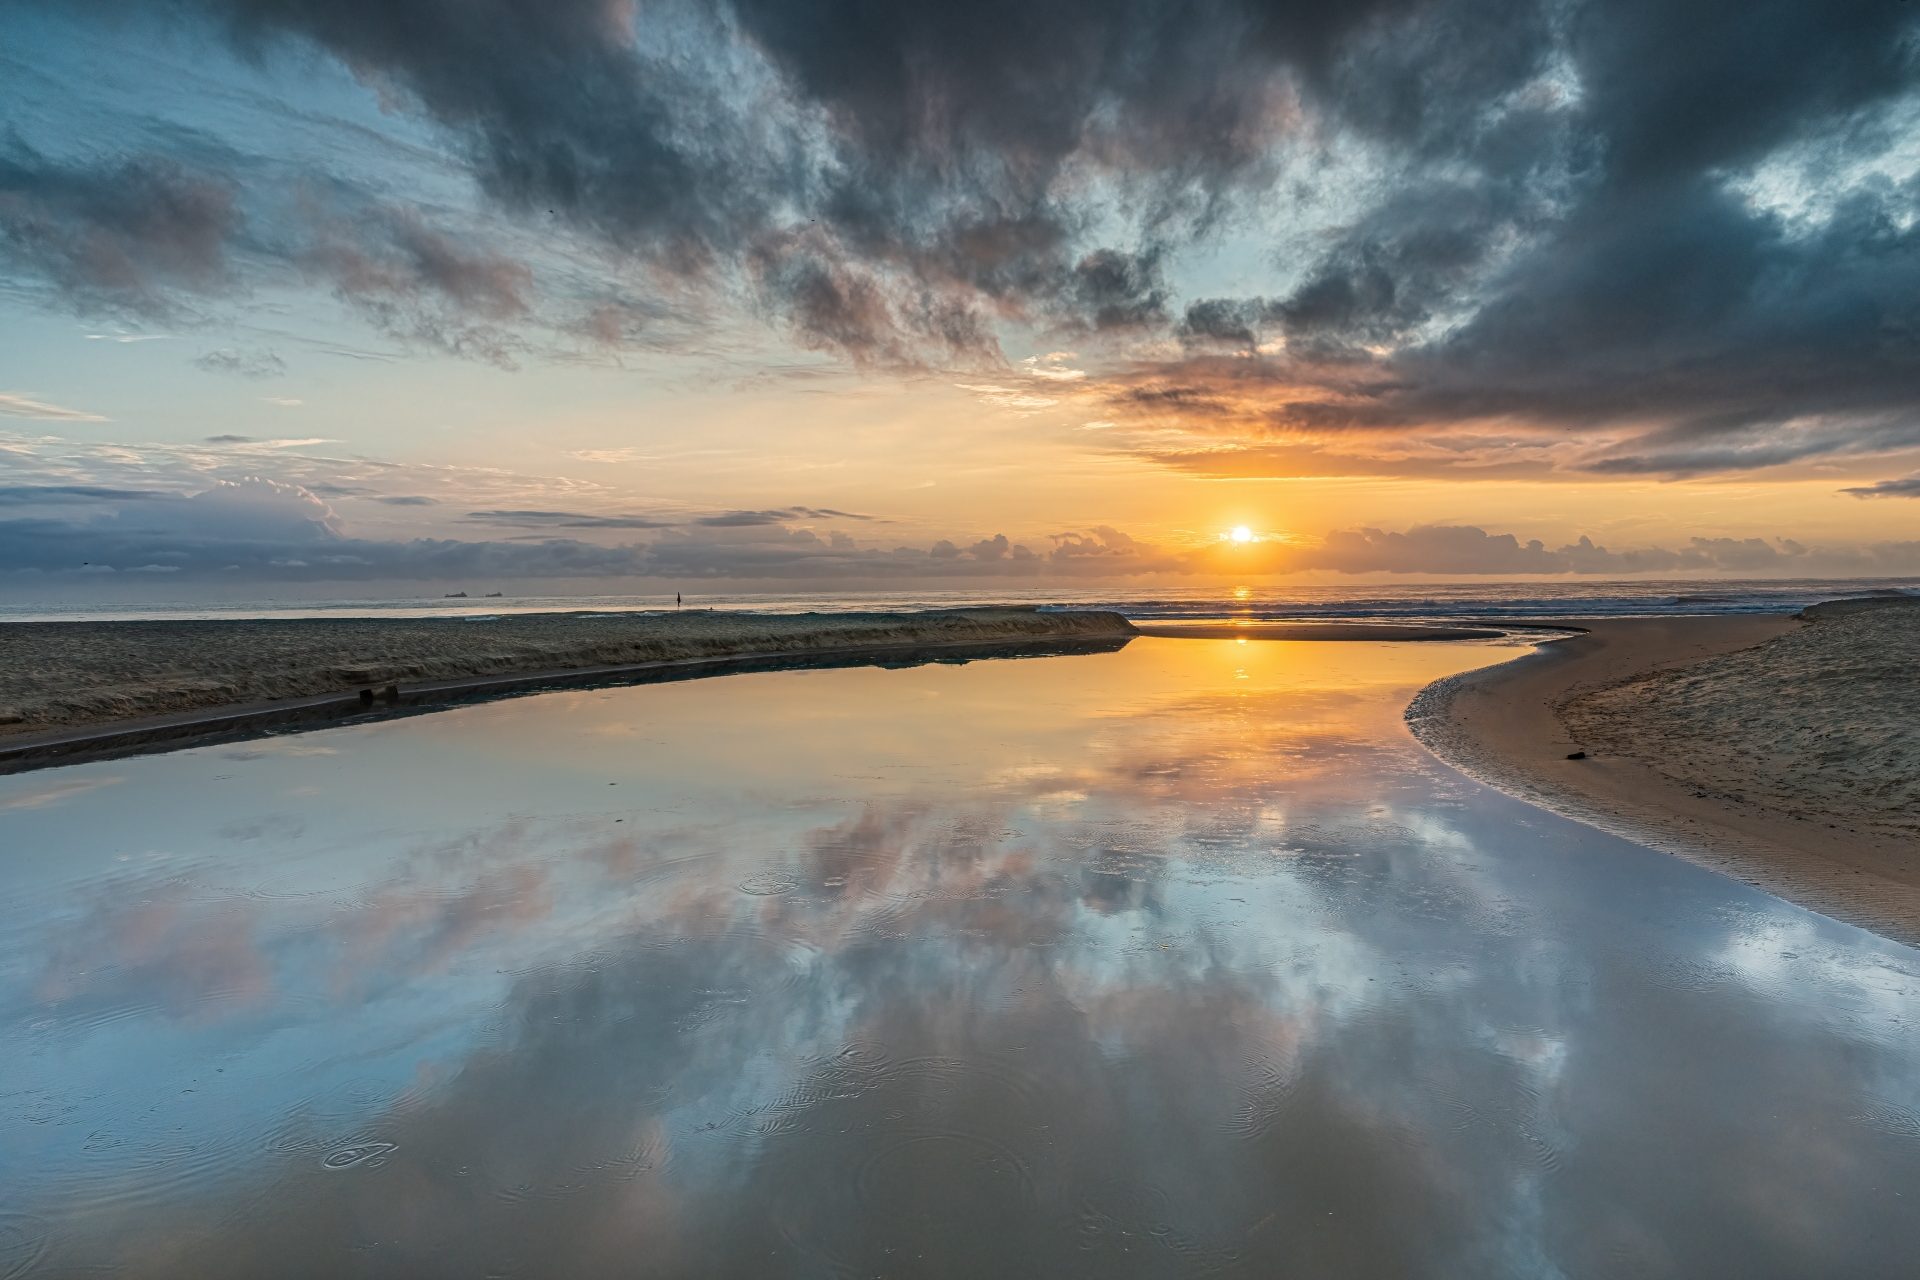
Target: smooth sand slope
60,680
1782,751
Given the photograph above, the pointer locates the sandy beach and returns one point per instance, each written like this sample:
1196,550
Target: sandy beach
1780,751
71,690
61,682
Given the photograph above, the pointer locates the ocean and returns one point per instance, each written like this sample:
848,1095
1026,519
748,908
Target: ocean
1357,601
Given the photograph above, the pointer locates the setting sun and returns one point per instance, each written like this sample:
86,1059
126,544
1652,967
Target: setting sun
789,430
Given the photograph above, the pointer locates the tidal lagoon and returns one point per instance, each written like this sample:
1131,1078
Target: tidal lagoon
1184,959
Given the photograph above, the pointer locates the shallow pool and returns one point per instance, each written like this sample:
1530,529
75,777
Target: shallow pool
1181,960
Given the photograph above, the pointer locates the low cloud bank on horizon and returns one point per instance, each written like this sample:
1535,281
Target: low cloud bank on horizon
256,529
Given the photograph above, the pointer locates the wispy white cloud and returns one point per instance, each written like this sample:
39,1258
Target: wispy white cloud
1053,367
184,467
13,405
255,444
611,455
1021,402
630,454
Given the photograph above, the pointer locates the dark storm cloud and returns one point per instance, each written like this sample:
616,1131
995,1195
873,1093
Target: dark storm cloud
1684,88
557,102
148,235
1723,322
1652,227
412,280
1235,322
562,520
1444,549
721,520
776,517
1644,302
1904,487
242,364
23,494
258,529
1116,290
930,205
779,515
121,232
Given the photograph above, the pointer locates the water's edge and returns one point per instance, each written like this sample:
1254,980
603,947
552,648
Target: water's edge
1434,720
152,735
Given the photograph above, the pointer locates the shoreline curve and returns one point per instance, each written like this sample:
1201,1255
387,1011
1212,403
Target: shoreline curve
1506,726
75,692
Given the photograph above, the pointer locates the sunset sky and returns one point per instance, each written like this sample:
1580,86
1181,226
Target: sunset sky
330,294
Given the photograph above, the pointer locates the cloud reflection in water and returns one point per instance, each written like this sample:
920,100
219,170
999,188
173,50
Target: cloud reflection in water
1182,960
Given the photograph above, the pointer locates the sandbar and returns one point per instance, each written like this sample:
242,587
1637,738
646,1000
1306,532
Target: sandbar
87,690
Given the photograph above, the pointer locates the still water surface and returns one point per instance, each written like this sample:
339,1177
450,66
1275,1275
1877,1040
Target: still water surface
1182,960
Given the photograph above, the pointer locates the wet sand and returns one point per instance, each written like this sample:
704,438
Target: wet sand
1316,631
1781,751
73,690
91,690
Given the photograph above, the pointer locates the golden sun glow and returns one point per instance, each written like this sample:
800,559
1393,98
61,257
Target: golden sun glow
1240,533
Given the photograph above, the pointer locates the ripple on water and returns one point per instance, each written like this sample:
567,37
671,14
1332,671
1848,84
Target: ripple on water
121,1174
799,965
1264,1099
331,1119
770,884
883,919
952,1073
1542,1149
1458,1112
858,1066
638,1155
1116,1203
859,1052
1890,1118
23,1243
776,1124
668,868
370,1154
799,1225
269,891
1681,973
953,1155
711,1007
1120,1213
